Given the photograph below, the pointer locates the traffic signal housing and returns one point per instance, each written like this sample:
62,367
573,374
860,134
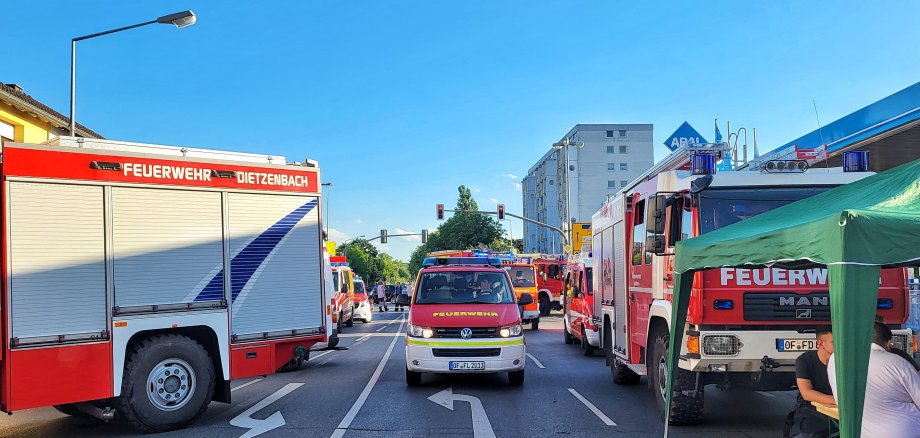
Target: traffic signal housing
383,236
501,212
440,212
424,237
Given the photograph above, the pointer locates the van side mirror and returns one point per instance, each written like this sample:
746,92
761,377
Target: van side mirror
655,244
403,300
525,299
656,213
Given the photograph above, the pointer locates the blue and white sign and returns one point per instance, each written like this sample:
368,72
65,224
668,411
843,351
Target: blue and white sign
683,136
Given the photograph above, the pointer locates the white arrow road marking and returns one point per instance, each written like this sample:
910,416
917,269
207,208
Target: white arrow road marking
355,408
274,421
246,384
481,426
593,408
539,364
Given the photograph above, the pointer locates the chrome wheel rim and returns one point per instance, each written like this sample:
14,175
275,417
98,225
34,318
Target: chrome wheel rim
170,384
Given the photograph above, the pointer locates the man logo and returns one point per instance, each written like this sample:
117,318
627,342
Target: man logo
466,333
803,313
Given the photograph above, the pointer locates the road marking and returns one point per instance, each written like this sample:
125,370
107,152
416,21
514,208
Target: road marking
766,394
274,421
593,408
245,384
385,335
482,428
355,408
539,364
381,328
321,354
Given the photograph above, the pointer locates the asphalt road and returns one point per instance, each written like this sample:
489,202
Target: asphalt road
361,392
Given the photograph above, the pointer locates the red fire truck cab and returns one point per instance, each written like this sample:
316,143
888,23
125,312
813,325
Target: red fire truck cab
145,277
550,285
745,327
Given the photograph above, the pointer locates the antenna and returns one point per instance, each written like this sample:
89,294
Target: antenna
821,133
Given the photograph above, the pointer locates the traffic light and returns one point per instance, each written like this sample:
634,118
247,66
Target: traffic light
440,212
383,236
424,237
501,212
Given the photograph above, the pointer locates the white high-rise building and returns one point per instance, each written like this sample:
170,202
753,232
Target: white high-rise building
612,155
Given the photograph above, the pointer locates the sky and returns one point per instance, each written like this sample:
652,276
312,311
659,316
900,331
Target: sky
403,101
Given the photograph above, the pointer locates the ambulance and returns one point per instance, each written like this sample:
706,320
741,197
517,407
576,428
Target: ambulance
343,312
464,317
579,321
139,280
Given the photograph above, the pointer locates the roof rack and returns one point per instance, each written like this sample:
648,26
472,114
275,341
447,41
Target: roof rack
462,261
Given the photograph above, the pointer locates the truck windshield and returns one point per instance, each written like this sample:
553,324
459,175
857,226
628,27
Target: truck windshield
722,207
463,287
521,276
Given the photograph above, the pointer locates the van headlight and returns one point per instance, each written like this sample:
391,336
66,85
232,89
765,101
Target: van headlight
419,331
510,330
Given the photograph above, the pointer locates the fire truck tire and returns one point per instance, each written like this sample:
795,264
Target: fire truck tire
622,375
413,378
569,339
586,348
535,324
516,378
351,321
686,408
338,324
545,305
169,363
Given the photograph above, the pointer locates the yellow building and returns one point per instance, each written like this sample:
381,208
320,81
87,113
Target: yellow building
26,120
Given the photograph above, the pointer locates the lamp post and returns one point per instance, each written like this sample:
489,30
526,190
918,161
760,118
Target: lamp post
179,19
564,147
326,194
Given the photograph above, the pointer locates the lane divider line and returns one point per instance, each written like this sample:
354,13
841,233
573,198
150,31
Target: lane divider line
537,362
359,403
245,384
593,408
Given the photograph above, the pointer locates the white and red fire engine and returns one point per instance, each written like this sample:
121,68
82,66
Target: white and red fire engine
578,321
343,298
140,279
745,327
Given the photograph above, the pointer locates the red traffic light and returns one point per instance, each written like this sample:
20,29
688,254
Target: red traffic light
440,212
501,212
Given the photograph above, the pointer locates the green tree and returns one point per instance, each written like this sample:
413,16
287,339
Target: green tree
362,256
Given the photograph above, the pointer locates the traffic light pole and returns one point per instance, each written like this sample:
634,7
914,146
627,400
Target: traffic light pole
565,238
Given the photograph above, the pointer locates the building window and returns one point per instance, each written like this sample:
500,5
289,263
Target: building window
610,166
7,131
609,149
611,184
609,134
623,183
623,149
622,133
551,182
623,166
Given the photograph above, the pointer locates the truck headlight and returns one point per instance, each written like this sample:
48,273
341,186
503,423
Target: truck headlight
721,345
418,331
511,330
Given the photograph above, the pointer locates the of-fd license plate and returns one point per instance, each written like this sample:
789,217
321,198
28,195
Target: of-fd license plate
796,344
467,365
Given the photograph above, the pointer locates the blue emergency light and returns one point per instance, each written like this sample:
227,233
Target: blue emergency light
856,161
702,163
723,304
468,261
885,303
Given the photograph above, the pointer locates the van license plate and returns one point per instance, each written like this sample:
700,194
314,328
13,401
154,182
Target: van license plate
796,344
461,366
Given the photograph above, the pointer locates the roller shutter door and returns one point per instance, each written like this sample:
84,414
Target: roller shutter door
57,262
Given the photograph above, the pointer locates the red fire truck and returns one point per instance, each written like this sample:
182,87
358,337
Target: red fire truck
140,279
343,299
745,327
550,270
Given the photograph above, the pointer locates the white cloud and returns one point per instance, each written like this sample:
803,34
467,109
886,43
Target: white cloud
517,186
477,190
359,221
398,230
337,236
382,247
512,176
494,201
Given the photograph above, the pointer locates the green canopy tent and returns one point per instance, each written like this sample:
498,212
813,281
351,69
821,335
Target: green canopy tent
853,230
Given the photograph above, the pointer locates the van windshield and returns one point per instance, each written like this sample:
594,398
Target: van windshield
463,287
359,287
521,276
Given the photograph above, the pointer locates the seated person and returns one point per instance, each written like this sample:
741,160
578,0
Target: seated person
519,279
892,406
811,378
486,293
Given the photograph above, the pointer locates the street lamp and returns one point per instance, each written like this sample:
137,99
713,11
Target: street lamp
326,194
563,146
179,19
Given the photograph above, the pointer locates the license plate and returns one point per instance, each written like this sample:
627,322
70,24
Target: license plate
467,365
796,344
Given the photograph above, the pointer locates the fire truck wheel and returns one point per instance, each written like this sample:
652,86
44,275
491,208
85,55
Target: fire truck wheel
413,378
535,324
167,384
622,375
569,339
686,398
338,324
587,348
516,378
351,321
545,305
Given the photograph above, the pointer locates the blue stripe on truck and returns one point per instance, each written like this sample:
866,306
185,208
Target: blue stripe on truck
248,261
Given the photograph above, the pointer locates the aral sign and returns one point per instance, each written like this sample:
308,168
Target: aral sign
683,136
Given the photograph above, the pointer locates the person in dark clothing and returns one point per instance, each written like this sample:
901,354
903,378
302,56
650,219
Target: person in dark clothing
883,339
811,378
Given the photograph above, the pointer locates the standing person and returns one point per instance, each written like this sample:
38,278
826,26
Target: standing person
381,297
892,406
812,381
399,307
